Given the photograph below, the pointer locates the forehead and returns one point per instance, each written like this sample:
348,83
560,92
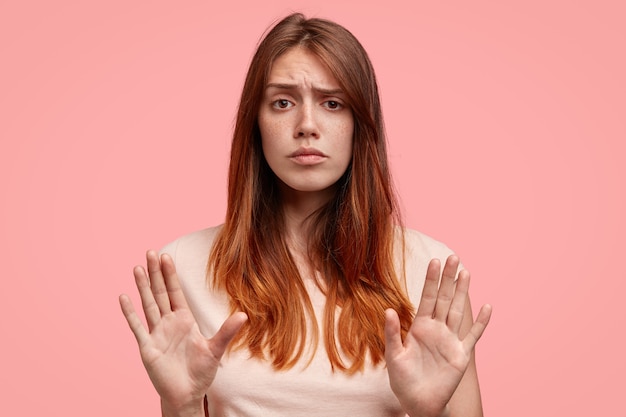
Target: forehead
301,67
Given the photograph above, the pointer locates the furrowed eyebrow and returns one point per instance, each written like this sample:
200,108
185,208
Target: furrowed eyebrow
326,91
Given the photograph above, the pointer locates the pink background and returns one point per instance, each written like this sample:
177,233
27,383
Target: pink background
507,131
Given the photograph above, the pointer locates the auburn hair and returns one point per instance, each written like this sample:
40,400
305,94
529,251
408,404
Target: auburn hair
353,236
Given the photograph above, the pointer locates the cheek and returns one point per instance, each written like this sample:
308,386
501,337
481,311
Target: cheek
272,138
263,125
271,129
347,135
267,132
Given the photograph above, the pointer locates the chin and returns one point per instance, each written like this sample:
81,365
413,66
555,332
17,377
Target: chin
309,187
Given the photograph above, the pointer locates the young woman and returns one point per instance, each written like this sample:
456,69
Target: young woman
302,302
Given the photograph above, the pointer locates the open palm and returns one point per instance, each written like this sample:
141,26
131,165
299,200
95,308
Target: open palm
180,361
426,368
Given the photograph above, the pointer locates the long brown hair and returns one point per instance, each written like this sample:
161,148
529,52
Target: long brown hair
353,234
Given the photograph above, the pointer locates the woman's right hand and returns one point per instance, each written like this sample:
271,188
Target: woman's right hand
180,361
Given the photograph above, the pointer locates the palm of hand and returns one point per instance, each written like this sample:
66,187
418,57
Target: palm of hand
179,356
180,361
425,369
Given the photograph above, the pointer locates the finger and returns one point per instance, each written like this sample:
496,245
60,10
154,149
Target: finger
393,337
176,295
150,307
446,288
225,334
457,308
135,324
478,327
157,283
428,301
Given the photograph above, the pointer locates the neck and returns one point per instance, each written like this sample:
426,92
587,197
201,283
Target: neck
298,206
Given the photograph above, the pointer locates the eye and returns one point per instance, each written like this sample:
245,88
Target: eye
333,105
281,103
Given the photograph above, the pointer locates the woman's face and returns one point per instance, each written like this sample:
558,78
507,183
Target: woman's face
306,125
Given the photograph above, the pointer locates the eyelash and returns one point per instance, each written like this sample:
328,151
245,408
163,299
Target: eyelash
276,103
337,104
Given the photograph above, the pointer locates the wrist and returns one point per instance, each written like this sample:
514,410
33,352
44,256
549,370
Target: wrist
195,409
422,412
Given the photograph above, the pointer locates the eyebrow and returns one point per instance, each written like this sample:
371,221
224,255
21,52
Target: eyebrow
326,91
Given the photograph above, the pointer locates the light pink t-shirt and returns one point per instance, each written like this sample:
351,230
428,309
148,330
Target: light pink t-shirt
251,387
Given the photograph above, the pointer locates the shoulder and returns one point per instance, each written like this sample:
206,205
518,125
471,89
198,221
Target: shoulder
192,245
420,245
191,252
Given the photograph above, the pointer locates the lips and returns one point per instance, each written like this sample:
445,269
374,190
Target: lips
308,156
307,152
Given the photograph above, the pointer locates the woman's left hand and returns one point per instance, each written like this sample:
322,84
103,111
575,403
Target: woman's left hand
425,369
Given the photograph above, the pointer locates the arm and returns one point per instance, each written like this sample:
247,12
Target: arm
432,372
180,361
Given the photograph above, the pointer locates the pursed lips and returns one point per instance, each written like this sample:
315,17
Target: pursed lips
308,156
306,152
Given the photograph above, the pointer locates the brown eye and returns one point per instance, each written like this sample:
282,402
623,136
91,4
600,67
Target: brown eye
333,105
282,104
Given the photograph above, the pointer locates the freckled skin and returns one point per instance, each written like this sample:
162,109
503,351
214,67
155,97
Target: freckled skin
303,107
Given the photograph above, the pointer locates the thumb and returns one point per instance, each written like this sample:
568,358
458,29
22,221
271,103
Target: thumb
225,334
393,338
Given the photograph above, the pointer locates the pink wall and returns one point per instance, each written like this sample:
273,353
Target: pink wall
507,130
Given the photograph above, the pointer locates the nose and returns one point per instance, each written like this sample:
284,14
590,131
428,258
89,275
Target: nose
307,124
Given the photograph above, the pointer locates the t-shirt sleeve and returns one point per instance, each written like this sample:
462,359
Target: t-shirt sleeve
419,250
